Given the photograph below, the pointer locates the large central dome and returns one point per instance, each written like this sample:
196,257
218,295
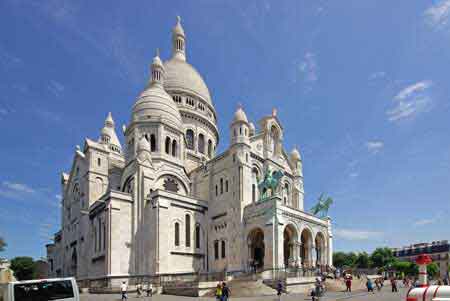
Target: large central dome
182,76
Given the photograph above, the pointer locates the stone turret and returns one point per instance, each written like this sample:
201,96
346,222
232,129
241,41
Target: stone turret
240,130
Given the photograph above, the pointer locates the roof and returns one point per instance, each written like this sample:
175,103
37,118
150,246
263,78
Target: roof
180,75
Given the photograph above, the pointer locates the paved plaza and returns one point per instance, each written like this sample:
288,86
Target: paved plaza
384,295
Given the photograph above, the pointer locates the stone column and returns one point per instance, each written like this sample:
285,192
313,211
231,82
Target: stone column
330,243
313,255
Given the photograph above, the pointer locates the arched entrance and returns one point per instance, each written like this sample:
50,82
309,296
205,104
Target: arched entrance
305,250
289,241
256,250
320,249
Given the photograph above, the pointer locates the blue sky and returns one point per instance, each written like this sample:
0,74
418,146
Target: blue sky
362,88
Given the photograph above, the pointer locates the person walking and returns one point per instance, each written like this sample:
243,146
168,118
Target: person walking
369,285
279,289
394,285
149,289
226,292
123,290
139,290
219,292
348,283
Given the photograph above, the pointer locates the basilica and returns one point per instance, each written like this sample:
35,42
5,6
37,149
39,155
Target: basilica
161,200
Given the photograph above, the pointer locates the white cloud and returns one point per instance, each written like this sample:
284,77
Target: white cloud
56,88
423,222
437,15
308,67
354,175
377,75
410,101
354,234
19,187
374,146
306,70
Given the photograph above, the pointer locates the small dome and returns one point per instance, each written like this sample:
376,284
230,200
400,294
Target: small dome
155,103
157,61
143,145
239,116
178,29
295,155
182,76
252,128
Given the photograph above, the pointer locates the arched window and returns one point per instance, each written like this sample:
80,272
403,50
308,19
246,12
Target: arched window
217,191
210,149
190,139
177,234
226,186
152,142
216,249
254,184
286,194
188,230
197,236
99,161
201,143
223,249
174,148
221,186
240,130
167,145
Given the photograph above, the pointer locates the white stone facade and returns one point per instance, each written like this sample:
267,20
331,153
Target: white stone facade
166,203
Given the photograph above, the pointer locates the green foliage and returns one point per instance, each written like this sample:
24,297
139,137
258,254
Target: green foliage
432,269
382,257
341,259
362,261
406,268
24,267
2,244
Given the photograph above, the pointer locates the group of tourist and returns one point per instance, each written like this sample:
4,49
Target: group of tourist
139,290
223,292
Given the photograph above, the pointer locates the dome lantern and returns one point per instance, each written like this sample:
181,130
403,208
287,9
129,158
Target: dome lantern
178,41
157,70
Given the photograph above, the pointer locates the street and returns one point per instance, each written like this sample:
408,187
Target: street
384,295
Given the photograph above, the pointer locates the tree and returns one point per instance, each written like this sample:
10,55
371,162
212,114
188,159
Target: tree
406,268
382,257
341,259
24,267
432,269
2,244
362,260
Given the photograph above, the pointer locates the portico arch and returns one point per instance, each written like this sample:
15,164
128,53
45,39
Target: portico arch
320,249
256,248
290,240
306,247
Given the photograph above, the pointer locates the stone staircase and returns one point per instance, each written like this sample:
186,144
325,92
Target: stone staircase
246,288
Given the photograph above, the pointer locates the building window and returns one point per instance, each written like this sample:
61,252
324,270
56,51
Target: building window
197,237
188,230
210,149
221,186
167,145
174,148
177,234
253,193
99,162
226,186
177,99
190,139
217,192
223,249
152,142
201,143
216,249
